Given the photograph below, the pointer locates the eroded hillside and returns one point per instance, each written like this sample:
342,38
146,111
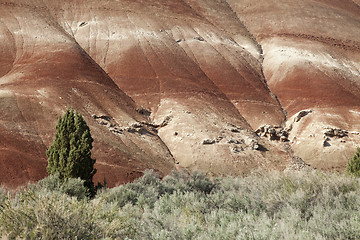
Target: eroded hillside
312,63
181,83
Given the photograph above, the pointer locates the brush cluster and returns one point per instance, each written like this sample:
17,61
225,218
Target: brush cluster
302,205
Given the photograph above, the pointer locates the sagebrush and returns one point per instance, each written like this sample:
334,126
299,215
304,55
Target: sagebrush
303,205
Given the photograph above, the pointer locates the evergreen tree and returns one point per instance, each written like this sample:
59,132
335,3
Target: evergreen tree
353,166
69,156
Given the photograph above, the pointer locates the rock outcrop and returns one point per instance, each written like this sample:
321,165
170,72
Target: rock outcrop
311,52
276,133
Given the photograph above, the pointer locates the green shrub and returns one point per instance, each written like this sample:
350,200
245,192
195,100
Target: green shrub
353,166
70,154
199,182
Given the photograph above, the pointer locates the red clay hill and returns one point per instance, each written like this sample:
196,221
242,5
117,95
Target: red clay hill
219,86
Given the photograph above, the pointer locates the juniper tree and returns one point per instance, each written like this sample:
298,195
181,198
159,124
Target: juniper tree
70,154
353,166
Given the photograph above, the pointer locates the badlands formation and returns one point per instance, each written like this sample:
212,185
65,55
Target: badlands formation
220,86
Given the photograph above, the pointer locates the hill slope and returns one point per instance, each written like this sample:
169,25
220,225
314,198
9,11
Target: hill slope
180,83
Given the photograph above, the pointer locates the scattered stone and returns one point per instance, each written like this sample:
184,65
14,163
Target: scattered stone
326,144
218,139
141,128
136,125
103,122
284,139
106,118
254,145
208,141
289,128
199,39
144,111
166,121
236,141
237,149
83,24
273,133
116,130
336,132
235,130
302,114
297,164
130,130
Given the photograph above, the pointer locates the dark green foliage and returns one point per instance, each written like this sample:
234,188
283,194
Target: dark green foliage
199,182
353,166
69,156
